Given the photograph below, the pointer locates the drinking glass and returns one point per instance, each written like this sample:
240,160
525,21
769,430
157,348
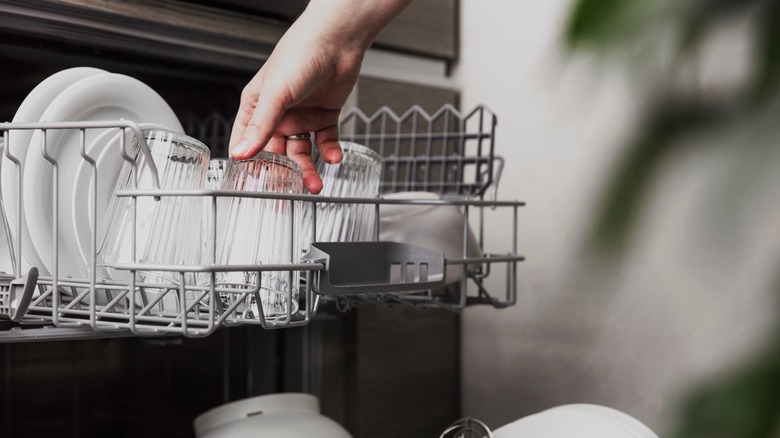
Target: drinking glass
214,177
255,231
356,176
165,230
215,172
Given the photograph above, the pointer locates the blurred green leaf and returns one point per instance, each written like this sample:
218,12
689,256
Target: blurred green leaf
605,22
628,188
745,405
590,19
697,16
768,52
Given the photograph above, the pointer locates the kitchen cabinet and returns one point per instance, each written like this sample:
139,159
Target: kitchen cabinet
427,28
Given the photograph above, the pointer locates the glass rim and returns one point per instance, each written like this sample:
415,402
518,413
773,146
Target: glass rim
180,137
359,148
272,157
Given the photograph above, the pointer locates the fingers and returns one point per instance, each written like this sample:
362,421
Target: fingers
300,152
259,129
328,144
239,125
277,144
246,108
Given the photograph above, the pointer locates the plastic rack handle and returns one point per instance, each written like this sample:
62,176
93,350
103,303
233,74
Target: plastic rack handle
353,268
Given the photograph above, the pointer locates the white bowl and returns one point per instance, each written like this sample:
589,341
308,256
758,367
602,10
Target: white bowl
581,420
434,227
614,414
276,415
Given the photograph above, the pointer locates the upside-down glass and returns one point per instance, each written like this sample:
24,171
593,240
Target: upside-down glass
215,172
253,231
356,176
214,177
165,229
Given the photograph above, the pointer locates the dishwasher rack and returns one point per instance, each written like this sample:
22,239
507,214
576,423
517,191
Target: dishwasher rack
447,153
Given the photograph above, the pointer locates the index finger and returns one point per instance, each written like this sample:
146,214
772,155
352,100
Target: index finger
253,130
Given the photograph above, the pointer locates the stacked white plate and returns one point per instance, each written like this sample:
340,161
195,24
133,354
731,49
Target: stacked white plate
576,421
76,94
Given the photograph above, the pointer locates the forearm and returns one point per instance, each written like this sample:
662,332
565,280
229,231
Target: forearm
354,24
304,83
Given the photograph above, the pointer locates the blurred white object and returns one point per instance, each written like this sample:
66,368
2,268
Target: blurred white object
434,227
576,420
275,415
541,426
614,414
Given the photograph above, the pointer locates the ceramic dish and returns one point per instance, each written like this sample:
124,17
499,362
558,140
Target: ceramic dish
102,97
31,110
273,415
610,426
541,426
620,416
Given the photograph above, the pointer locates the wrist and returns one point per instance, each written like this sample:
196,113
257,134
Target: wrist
352,25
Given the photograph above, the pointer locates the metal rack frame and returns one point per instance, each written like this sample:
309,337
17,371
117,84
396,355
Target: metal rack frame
447,152
84,307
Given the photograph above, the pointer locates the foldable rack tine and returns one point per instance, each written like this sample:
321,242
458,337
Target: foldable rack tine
27,285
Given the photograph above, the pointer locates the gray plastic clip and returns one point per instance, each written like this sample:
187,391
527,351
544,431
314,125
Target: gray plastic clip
353,268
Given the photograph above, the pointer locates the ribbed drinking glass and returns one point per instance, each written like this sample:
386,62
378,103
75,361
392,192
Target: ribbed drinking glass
356,176
164,229
253,231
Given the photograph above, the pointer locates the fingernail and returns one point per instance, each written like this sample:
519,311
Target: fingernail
334,157
241,148
313,183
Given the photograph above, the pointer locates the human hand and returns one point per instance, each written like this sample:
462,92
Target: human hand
300,89
306,81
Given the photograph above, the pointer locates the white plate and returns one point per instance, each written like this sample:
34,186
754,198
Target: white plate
102,97
105,150
434,227
621,416
576,411
541,426
608,425
30,111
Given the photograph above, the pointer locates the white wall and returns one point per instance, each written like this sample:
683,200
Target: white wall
692,297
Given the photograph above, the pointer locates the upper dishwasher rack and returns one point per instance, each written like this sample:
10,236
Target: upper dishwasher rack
447,153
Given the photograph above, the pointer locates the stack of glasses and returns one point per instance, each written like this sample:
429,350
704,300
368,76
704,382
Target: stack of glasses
252,230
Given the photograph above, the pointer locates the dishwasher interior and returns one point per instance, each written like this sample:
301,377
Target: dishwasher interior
123,363
447,153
